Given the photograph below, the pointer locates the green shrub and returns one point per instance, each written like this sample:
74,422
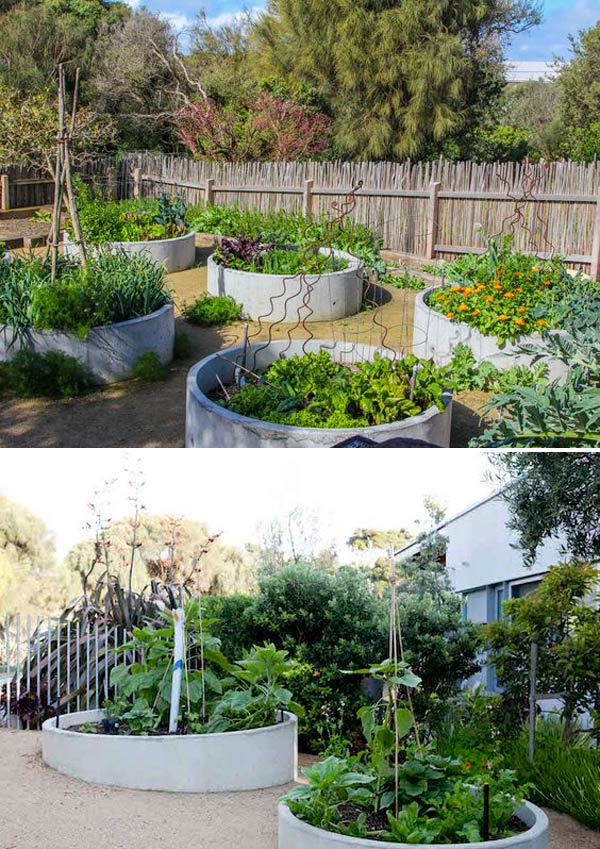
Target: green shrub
50,375
467,373
566,778
210,310
148,366
314,391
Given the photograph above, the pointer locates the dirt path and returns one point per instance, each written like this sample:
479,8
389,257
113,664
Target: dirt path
152,415
41,808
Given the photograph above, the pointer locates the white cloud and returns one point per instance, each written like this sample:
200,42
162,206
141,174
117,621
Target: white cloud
227,18
178,21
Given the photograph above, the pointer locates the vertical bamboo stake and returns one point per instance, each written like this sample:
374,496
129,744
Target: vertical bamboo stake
58,176
532,697
67,167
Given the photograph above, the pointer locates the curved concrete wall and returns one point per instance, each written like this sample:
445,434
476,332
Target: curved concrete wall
110,352
208,425
435,337
295,834
176,254
191,763
275,297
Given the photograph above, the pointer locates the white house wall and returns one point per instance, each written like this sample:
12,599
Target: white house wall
480,550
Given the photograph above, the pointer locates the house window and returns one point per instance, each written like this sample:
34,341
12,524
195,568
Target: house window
499,602
519,590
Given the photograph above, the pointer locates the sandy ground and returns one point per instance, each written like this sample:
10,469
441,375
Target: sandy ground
150,415
41,808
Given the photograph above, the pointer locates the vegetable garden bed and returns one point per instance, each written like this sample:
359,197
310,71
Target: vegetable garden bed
176,254
208,424
183,763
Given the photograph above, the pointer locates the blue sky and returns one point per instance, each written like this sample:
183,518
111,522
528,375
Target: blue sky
561,17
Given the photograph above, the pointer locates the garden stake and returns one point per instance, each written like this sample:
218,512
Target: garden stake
485,831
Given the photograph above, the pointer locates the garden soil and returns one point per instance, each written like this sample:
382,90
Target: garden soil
152,415
41,808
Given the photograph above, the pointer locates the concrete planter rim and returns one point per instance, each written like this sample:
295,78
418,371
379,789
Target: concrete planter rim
354,263
275,427
421,299
49,725
539,827
169,241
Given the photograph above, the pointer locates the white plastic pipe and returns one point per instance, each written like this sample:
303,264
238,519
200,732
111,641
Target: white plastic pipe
179,625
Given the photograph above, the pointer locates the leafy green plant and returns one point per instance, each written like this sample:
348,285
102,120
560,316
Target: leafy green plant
255,693
50,375
136,220
267,259
314,391
210,310
404,280
284,228
148,366
467,373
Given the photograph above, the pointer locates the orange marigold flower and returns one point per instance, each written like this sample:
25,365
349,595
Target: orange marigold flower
476,312
449,315
518,274
503,317
497,286
463,308
535,269
456,289
520,321
547,282
467,290
520,309
518,289
489,298
509,294
541,322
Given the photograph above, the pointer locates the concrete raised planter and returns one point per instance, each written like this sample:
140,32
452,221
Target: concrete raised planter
435,337
110,352
192,763
208,425
175,254
295,834
276,297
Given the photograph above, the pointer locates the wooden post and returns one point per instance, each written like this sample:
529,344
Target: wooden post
111,183
137,182
307,198
595,269
209,191
4,191
532,697
432,220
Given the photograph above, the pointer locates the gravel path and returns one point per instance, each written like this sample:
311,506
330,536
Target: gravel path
41,808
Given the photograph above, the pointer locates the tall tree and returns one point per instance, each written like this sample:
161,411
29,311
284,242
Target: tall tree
580,80
399,77
551,495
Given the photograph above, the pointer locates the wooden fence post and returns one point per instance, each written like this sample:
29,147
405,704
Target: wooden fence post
307,198
111,183
209,191
4,191
433,205
595,267
137,182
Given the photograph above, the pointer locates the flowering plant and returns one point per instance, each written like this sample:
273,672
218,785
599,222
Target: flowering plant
501,293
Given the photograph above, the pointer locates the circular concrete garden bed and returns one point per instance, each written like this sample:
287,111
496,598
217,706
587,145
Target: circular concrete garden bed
191,763
209,425
296,834
435,337
278,297
110,352
175,254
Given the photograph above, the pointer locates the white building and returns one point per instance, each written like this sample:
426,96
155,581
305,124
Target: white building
485,565
522,72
